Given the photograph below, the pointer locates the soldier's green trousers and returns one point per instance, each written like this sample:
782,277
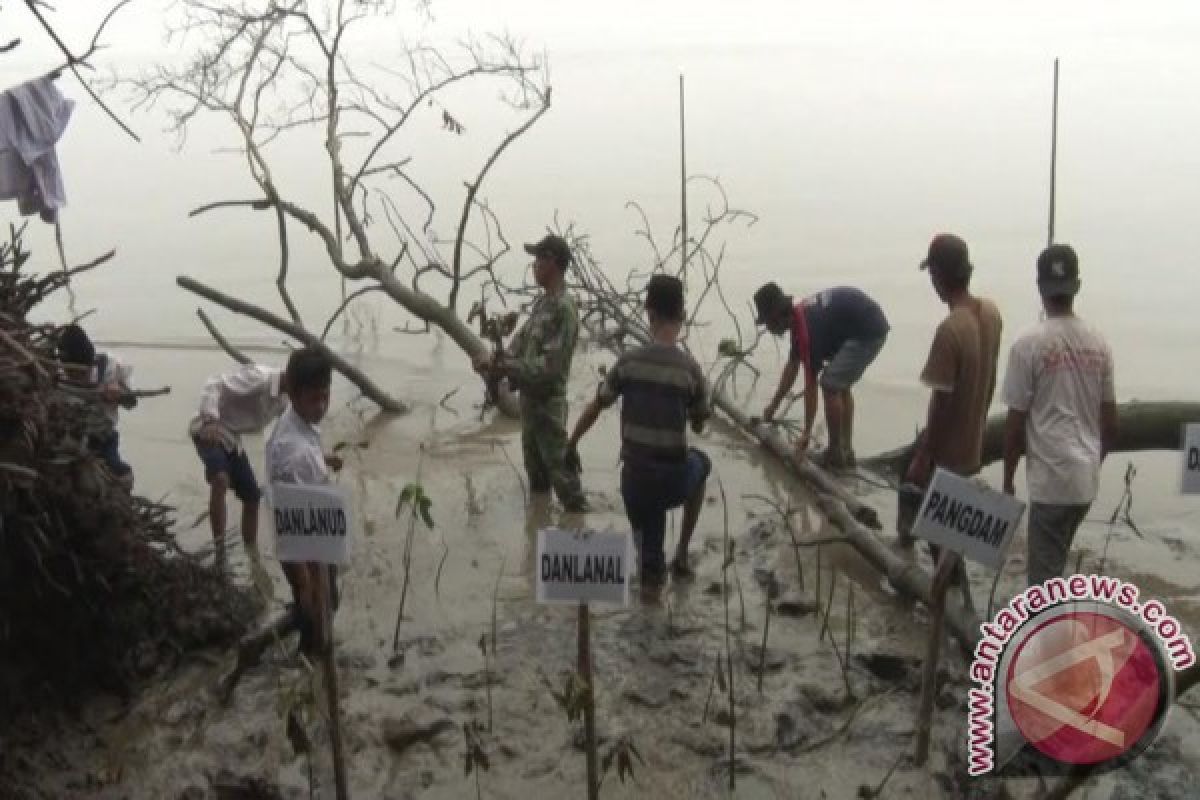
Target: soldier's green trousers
544,443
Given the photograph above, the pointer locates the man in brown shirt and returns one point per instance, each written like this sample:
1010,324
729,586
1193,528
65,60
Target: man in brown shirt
960,369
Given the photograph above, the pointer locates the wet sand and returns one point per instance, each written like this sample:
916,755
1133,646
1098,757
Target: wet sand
801,737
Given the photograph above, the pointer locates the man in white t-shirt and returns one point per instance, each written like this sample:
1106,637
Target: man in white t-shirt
1061,414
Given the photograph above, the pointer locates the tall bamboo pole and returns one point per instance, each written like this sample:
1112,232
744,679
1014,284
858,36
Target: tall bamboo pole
683,251
1053,156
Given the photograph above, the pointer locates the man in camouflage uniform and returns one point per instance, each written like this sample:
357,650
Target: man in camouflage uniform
537,364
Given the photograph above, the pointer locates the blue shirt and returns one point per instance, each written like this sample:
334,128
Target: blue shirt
833,317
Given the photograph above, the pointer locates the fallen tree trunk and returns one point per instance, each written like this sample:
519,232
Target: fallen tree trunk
423,306
770,437
1140,426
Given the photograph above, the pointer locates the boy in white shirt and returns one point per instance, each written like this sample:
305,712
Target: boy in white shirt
104,372
294,455
233,403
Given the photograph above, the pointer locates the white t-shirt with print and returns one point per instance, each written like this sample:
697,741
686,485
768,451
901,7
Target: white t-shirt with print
1061,372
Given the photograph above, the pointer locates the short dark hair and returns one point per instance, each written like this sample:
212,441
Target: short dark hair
308,368
74,346
664,296
953,277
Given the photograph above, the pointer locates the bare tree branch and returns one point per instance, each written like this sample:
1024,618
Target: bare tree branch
350,371
473,189
73,61
219,338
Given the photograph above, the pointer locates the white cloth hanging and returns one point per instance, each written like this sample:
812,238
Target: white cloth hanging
33,117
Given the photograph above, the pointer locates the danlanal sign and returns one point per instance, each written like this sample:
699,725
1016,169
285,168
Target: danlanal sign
583,567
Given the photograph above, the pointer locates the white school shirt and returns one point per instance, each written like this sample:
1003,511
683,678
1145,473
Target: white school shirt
243,401
116,373
1060,372
33,117
294,453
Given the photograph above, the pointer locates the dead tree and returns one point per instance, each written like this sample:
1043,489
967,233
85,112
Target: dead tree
1140,426
277,69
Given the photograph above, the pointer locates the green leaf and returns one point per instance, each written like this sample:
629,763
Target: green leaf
423,506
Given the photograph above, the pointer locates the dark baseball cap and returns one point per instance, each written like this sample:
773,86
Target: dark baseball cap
768,301
1058,271
948,255
553,246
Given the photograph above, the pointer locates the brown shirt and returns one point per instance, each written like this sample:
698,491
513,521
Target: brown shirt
962,363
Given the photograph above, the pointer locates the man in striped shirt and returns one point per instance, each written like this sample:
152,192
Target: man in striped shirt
662,388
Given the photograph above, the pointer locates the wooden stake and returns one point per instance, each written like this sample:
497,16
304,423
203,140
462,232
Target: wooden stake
762,654
940,584
325,637
1053,156
589,710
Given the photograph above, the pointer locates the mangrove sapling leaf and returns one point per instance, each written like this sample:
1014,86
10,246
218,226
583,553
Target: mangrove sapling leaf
475,756
413,496
622,753
573,698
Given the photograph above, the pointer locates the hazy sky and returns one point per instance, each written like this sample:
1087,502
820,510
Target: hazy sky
854,129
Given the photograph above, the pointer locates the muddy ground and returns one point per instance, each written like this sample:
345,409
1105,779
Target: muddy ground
814,730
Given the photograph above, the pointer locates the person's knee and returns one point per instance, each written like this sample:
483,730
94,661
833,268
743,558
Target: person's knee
218,484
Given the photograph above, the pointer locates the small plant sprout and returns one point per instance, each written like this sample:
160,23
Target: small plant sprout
476,758
622,753
419,505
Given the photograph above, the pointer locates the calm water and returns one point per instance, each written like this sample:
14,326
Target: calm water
854,136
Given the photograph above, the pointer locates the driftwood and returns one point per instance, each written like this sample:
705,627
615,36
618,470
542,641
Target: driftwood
1140,426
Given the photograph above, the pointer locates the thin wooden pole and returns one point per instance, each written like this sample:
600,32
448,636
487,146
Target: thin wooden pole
940,585
683,226
331,684
589,709
1053,156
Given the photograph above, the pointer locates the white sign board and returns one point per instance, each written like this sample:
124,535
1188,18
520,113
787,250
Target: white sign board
312,523
1191,459
969,519
583,567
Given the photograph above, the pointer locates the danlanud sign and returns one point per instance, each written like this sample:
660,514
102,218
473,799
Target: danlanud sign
312,523
583,567
969,519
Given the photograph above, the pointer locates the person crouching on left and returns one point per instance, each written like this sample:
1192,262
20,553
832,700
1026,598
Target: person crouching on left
105,373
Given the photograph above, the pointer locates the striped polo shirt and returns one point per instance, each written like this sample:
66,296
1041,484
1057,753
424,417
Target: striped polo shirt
661,388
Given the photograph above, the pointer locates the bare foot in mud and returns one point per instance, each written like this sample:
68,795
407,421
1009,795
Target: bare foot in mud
652,587
681,570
